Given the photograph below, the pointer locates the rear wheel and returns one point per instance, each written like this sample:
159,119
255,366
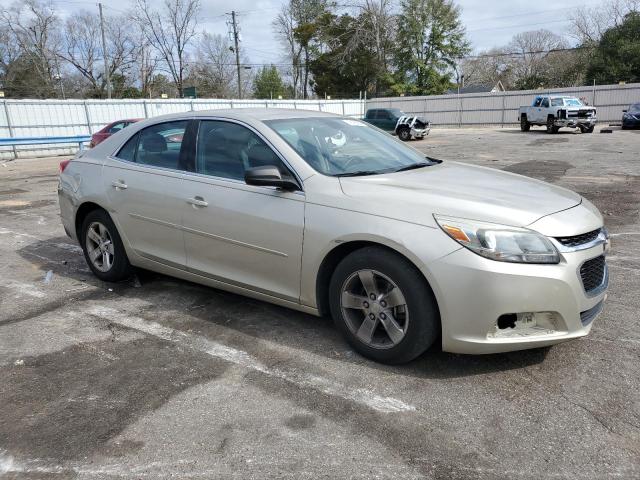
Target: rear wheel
383,306
103,248
404,134
525,126
551,128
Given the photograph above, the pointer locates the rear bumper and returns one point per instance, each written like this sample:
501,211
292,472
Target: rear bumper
549,300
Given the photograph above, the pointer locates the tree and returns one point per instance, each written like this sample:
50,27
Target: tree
83,48
33,27
348,63
534,63
617,55
170,32
430,40
214,72
296,27
268,83
589,24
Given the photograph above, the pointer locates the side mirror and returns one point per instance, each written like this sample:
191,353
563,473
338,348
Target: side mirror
269,176
625,111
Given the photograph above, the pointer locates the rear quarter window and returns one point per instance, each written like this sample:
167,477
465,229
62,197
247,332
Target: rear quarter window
128,150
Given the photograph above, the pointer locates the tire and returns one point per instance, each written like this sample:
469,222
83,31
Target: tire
551,128
525,126
414,320
404,134
587,129
112,265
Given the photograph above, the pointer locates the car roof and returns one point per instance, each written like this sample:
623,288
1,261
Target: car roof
246,114
262,114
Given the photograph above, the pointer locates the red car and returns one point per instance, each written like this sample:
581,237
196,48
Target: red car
110,129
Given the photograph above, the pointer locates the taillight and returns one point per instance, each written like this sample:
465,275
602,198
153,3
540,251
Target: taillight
63,165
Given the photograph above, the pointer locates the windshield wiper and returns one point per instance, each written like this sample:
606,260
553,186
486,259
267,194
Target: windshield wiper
413,166
359,173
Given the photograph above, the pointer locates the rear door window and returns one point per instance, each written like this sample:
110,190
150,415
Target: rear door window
158,146
545,103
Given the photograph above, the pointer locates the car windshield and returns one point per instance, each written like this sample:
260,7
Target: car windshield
346,147
572,102
635,108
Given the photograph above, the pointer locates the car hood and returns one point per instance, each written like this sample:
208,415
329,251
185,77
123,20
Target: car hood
460,190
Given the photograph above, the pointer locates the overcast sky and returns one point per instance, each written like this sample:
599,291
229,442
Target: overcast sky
489,23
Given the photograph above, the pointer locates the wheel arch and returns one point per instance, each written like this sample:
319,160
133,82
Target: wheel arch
338,253
81,213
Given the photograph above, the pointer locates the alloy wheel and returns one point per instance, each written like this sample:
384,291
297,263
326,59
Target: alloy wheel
374,308
100,248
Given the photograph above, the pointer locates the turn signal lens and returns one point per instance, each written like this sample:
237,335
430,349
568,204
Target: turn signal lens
456,233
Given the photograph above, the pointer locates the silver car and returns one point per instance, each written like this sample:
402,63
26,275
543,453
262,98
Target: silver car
327,215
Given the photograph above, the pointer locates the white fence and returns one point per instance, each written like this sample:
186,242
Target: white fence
53,118
501,108
42,118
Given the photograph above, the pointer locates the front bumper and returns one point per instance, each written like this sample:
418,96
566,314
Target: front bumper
420,132
576,122
474,292
631,122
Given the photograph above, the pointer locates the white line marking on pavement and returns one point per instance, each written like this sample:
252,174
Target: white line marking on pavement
244,359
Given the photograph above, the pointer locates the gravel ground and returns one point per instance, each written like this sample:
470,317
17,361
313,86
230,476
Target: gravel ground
160,378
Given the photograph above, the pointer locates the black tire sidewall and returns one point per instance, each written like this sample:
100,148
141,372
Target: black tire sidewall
121,268
524,124
424,318
404,134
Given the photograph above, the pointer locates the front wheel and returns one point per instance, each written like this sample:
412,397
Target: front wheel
383,306
587,129
551,128
404,134
103,248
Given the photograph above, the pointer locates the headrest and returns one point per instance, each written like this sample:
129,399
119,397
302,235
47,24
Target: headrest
154,143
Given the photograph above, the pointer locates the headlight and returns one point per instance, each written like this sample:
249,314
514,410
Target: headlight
500,242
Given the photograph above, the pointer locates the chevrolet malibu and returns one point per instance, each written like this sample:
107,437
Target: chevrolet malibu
328,215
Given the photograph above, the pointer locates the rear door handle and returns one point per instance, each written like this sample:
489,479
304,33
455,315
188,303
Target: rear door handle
198,201
119,185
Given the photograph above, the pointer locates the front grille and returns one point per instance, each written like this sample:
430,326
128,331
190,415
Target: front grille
577,240
592,273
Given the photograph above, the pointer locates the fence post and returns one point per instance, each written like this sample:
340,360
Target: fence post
146,109
266,104
86,114
10,127
342,107
191,105
231,103
503,96
295,105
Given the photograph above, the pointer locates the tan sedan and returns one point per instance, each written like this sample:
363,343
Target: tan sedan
328,215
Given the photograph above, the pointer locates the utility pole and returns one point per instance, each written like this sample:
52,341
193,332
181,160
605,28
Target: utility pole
234,26
104,53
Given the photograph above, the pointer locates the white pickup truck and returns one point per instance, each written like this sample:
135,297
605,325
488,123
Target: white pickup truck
556,111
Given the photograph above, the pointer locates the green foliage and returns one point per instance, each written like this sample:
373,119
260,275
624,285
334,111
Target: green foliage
617,56
430,39
268,83
345,67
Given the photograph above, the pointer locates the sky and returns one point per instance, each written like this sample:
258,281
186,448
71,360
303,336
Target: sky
489,23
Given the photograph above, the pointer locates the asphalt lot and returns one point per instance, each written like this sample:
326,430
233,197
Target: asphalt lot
158,378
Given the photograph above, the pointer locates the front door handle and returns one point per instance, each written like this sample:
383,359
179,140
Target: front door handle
198,201
119,185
